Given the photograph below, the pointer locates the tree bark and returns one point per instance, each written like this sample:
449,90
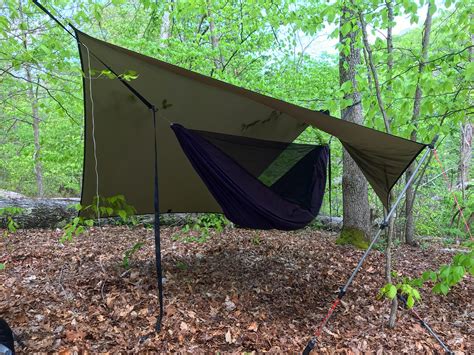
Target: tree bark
356,214
378,91
387,122
465,149
391,225
33,96
165,29
39,213
218,61
410,196
38,167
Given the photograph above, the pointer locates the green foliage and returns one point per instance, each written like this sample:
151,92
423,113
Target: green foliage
266,46
128,75
405,289
113,206
102,207
256,240
200,229
450,275
443,279
129,254
75,228
37,75
8,214
436,211
182,265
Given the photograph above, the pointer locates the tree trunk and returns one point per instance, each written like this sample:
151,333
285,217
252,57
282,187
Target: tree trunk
465,155
409,201
465,149
36,134
218,61
410,196
391,225
356,215
371,67
33,96
165,29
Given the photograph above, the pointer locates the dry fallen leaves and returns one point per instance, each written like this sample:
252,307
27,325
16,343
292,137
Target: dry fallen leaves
228,337
253,326
232,296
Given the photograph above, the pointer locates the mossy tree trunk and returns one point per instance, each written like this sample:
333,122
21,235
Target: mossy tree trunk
356,216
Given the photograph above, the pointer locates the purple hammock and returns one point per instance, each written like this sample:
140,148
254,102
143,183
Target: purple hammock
258,184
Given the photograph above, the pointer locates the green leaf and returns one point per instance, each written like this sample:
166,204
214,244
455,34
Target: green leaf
391,291
429,275
346,28
122,214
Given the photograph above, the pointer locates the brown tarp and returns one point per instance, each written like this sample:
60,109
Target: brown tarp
123,130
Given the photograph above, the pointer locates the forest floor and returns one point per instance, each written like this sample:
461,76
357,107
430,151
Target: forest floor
241,291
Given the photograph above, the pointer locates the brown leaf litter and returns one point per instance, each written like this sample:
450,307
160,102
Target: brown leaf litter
241,291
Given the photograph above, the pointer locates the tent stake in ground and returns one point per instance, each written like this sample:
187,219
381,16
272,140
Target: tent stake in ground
314,340
426,325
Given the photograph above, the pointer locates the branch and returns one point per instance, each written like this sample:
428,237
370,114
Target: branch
429,61
237,50
374,73
48,91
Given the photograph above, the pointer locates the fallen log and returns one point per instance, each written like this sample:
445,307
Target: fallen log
57,212
39,212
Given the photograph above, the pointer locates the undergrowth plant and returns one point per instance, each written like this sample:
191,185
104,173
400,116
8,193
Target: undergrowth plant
439,216
104,207
8,213
443,279
256,240
199,229
129,254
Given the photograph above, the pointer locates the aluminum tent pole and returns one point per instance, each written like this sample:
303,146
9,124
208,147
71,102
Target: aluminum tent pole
313,341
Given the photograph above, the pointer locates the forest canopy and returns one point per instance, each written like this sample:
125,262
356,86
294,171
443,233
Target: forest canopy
285,49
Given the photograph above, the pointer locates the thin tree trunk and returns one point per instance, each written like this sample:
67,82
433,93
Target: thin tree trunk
218,61
165,29
378,91
388,269
32,95
465,156
36,134
391,21
465,149
356,216
410,196
391,226
372,70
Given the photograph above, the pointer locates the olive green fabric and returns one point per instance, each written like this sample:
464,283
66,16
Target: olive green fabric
122,128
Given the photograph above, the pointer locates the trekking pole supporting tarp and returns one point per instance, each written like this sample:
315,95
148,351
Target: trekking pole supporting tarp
156,204
314,340
426,325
